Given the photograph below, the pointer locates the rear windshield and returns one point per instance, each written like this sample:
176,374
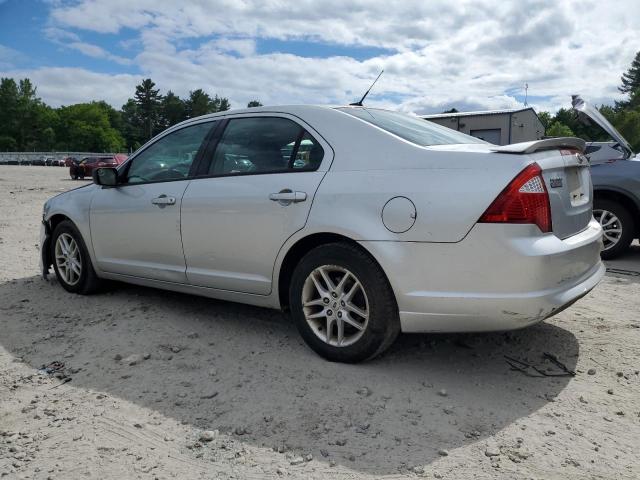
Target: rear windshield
413,129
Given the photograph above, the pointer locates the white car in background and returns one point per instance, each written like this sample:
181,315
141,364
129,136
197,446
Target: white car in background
362,222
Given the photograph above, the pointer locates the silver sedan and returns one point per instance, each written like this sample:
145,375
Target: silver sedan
361,222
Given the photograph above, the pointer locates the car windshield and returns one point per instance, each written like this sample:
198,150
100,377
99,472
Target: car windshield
413,129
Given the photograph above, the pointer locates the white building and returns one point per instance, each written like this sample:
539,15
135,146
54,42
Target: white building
500,127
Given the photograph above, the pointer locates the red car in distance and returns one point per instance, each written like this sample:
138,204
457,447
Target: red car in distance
85,167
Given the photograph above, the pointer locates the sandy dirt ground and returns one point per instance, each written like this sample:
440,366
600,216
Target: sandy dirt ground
167,385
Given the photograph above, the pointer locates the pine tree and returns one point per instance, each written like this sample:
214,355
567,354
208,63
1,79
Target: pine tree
173,110
631,78
148,101
254,103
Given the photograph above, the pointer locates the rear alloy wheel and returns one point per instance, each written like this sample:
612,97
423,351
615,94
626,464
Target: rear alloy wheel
617,227
71,260
343,304
335,305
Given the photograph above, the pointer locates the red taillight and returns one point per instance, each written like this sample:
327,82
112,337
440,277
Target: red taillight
525,200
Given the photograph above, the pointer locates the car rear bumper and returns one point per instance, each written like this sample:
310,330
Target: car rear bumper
499,277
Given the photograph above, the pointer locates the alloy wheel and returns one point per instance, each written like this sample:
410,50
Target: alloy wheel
611,227
68,259
335,305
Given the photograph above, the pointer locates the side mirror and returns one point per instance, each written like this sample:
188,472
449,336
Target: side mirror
107,177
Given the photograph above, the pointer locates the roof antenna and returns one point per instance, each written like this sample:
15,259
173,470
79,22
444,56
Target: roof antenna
359,104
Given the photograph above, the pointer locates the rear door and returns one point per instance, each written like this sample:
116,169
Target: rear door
255,192
135,227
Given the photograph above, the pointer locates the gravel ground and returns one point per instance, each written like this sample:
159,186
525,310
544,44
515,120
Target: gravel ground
167,385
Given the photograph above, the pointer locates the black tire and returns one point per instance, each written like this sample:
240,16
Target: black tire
74,177
89,281
627,224
383,324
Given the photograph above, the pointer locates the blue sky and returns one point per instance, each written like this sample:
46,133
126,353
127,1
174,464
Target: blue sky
436,55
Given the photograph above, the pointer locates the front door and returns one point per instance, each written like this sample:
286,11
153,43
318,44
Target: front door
262,179
135,227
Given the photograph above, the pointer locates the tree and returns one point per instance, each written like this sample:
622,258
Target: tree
132,128
8,113
628,124
86,127
148,101
545,118
221,104
631,78
172,110
199,103
589,132
254,103
451,110
559,129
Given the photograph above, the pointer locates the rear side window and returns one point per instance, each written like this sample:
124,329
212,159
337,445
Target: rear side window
265,145
413,129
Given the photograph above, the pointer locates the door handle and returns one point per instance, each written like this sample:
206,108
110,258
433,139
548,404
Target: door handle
163,200
287,196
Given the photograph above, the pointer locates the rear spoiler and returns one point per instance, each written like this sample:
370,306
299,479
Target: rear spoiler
546,144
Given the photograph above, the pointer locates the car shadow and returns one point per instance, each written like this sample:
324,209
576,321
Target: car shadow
245,371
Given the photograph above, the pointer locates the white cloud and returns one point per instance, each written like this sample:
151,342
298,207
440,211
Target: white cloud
9,56
98,52
65,86
466,54
72,40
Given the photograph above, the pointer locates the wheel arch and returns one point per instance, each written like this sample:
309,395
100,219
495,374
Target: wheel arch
50,225
299,249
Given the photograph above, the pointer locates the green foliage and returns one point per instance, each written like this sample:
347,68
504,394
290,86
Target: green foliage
87,127
173,110
631,78
558,129
201,103
148,100
254,103
545,118
26,123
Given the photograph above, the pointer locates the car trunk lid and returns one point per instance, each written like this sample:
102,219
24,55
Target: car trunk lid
565,171
589,114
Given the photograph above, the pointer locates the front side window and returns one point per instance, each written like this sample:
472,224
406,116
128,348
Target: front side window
413,129
169,158
265,145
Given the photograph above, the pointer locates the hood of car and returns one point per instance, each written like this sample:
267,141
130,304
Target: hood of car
591,114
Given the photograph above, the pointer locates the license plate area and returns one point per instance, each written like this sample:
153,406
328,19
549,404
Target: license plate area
577,185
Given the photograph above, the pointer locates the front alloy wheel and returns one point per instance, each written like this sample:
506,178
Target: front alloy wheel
68,259
71,260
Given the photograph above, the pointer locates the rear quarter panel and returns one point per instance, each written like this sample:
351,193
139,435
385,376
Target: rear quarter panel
450,190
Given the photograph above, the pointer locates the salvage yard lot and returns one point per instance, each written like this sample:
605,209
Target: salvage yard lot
153,371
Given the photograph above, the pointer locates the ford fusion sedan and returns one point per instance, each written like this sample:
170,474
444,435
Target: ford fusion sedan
361,222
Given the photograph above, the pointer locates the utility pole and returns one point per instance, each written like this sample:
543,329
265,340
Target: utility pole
526,90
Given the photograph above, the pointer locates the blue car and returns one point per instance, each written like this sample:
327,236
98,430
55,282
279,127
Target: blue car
615,173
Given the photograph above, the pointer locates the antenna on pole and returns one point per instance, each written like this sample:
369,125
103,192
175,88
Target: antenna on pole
526,91
359,104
